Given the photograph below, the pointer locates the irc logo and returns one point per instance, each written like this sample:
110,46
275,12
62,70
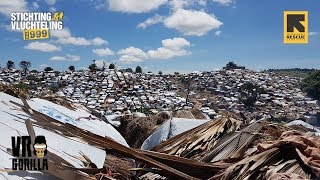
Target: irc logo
295,27
24,160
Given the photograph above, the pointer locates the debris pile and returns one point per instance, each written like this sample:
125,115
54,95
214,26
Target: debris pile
82,146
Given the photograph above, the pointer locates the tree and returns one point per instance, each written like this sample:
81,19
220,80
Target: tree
138,69
93,67
54,89
231,65
186,82
10,64
48,69
249,94
129,70
112,66
21,86
72,68
33,78
160,73
25,65
103,66
311,85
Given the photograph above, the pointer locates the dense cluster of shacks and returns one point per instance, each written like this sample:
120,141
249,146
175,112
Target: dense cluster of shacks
109,92
228,142
281,98
116,92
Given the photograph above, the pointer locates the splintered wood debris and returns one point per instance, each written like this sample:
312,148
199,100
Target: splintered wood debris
223,148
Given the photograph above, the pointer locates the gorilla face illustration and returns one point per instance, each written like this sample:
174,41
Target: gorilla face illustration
40,146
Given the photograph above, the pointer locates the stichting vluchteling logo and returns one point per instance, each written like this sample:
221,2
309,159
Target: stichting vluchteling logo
295,27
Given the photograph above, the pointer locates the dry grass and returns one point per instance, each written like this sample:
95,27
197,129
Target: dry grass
137,129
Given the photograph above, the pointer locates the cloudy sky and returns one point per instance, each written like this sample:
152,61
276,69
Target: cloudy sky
166,35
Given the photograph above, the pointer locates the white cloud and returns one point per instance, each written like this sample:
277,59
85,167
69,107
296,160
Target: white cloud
103,52
170,48
98,41
64,36
35,5
132,51
101,63
72,57
313,33
191,22
217,33
127,59
131,54
42,46
135,6
223,2
77,41
9,28
183,17
164,53
175,43
53,9
58,58
50,2
63,33
151,21
68,57
179,4
42,66
7,7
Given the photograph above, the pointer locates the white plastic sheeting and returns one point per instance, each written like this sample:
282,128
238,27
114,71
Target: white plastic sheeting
79,118
170,129
306,125
12,123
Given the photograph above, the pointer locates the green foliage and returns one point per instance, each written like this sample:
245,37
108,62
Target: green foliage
295,72
138,69
311,85
34,71
25,65
143,110
160,72
129,70
54,89
214,107
72,68
231,65
10,64
93,67
21,86
48,69
249,94
112,66
33,78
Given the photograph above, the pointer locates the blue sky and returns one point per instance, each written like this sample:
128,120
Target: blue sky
166,35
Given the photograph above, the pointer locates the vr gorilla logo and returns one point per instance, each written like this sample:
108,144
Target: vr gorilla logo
23,161
40,146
